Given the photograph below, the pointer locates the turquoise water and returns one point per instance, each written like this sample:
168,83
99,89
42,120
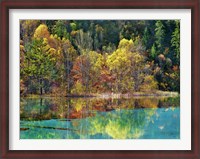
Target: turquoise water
144,118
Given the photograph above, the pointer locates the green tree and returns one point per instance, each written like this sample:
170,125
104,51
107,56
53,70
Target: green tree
153,53
98,38
84,41
175,42
60,29
39,62
146,38
160,35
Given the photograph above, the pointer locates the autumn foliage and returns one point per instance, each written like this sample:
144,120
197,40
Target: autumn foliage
61,58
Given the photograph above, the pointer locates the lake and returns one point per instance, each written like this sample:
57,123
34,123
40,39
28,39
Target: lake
99,118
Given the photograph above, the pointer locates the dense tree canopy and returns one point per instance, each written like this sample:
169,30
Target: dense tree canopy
76,57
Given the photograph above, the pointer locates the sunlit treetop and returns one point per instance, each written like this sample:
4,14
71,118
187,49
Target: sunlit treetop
42,32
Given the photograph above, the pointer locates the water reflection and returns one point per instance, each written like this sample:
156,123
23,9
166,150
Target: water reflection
92,118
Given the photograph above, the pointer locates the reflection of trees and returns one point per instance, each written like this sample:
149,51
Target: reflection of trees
129,125
119,124
108,118
169,102
34,108
147,102
77,108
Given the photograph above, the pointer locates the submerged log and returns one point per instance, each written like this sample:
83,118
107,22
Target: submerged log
24,129
48,127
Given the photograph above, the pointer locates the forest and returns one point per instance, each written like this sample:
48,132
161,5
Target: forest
90,57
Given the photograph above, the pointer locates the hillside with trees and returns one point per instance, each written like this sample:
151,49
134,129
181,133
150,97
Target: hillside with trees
87,57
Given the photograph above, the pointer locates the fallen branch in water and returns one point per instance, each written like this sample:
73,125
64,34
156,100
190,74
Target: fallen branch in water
47,127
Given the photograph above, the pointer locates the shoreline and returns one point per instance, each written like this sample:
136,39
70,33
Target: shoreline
110,95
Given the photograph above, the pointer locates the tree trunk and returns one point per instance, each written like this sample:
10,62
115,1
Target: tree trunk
40,86
40,106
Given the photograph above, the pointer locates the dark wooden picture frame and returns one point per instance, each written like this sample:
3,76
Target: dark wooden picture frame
194,5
